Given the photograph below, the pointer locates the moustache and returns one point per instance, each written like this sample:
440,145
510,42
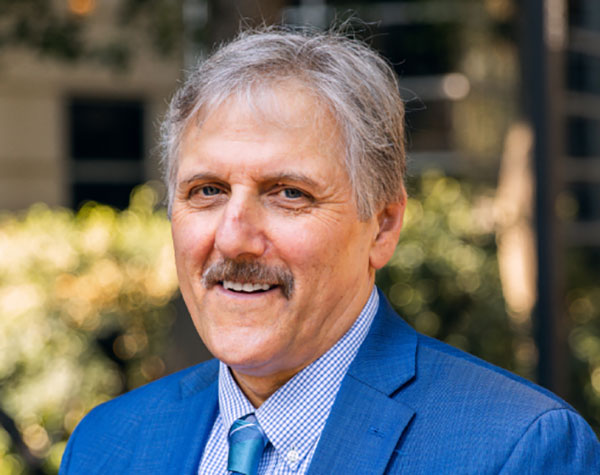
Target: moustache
248,272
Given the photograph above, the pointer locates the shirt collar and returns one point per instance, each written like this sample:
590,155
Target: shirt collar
294,416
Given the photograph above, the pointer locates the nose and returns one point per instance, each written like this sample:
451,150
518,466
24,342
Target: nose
240,232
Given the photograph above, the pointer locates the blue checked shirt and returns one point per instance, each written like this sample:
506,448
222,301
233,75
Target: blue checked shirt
294,416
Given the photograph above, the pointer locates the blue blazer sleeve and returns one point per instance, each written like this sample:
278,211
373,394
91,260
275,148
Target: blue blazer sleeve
559,441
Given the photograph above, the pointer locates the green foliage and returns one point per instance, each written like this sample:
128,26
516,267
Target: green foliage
444,277
583,310
83,315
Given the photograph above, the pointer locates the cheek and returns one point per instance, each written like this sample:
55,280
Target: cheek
311,251
321,254
192,240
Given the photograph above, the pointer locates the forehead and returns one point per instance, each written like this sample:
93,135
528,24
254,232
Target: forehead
285,119
286,104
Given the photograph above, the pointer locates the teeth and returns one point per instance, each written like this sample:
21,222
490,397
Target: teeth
245,287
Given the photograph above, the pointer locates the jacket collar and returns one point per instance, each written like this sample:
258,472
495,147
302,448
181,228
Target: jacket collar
199,378
365,423
387,358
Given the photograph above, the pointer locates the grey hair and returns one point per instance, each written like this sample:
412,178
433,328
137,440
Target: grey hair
351,79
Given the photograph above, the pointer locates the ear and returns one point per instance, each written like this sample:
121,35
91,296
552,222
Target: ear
389,221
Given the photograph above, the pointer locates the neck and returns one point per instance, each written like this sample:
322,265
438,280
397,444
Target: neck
259,388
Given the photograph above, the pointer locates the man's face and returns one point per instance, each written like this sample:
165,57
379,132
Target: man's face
272,259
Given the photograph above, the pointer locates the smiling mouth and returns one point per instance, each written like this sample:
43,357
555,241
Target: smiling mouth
246,287
248,277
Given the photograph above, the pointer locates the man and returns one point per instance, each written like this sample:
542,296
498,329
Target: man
285,162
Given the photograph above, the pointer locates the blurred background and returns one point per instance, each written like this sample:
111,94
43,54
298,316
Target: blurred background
500,255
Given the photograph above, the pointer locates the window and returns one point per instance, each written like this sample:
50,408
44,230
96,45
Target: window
106,149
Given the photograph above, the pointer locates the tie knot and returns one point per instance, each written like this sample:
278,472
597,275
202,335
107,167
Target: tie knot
247,441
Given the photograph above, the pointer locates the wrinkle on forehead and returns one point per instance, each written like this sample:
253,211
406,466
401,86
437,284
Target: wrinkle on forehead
278,104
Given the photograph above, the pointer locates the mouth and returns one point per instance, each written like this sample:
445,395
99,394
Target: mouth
246,287
247,278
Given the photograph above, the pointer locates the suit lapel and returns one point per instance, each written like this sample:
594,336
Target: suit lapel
178,430
365,423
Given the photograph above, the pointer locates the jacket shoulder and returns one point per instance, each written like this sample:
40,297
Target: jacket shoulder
470,413
167,388
116,424
459,373
490,417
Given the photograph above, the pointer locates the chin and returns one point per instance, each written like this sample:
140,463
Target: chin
244,357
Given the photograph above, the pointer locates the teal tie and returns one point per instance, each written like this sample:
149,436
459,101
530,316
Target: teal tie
247,441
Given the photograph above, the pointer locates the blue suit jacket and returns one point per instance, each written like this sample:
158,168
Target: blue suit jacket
408,404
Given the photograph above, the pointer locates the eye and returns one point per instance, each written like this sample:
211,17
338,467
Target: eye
206,195
209,190
292,193
204,191
291,198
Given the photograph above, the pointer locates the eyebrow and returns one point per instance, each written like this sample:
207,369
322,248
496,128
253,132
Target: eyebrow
206,176
293,177
275,177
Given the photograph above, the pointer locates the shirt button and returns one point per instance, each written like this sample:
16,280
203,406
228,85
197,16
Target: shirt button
293,456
